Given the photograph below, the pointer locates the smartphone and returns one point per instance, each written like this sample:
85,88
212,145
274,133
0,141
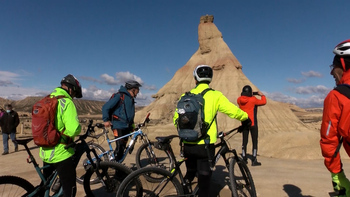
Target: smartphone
255,93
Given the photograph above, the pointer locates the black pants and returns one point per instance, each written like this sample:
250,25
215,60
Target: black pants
66,173
254,134
197,163
120,144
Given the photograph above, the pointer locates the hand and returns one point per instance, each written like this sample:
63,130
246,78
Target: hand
341,183
107,124
245,125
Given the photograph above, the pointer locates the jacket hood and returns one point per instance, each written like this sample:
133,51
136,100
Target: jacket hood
244,99
60,91
124,90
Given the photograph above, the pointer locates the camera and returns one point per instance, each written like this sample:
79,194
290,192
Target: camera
255,93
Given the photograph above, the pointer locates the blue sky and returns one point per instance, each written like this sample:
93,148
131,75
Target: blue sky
285,47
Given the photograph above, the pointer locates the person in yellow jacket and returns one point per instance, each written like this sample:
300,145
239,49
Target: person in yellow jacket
58,157
196,152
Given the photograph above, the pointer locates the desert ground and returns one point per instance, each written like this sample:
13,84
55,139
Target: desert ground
276,177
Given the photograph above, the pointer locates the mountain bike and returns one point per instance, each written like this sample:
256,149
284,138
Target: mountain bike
109,175
146,155
165,183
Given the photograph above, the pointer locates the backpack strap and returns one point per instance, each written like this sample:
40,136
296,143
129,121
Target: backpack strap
68,139
203,93
343,89
121,102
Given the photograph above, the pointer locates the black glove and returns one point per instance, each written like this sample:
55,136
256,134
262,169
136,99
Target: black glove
245,125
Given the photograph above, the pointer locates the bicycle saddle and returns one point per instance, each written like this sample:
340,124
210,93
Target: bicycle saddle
23,141
166,139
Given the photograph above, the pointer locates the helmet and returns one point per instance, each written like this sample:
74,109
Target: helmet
343,48
203,73
247,91
342,55
73,83
132,84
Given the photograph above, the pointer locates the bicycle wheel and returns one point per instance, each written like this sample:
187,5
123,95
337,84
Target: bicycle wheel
14,186
164,187
113,174
82,165
153,157
241,181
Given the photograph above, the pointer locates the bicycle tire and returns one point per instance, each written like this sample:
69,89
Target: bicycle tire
166,186
116,174
160,158
82,166
241,180
13,186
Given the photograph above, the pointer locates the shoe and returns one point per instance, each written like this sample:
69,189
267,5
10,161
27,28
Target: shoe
5,153
16,149
256,163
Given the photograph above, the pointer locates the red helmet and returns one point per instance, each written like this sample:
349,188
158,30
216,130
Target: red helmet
342,55
343,48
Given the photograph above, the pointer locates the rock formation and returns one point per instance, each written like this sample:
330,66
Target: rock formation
228,78
281,133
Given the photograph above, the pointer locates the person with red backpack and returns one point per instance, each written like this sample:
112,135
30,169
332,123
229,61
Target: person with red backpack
119,112
249,103
66,122
335,125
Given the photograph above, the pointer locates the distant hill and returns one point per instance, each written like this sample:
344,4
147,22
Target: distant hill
84,107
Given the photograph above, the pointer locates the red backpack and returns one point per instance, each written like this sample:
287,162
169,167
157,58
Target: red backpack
44,131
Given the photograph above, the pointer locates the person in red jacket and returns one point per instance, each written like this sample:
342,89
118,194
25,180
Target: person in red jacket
249,103
335,125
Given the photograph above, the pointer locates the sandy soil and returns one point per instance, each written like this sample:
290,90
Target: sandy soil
276,177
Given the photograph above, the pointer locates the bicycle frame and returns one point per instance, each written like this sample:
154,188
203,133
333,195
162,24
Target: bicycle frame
224,149
46,183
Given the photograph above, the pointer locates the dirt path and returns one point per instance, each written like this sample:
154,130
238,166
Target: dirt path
276,177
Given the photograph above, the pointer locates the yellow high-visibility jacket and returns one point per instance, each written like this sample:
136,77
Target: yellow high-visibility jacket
214,101
66,117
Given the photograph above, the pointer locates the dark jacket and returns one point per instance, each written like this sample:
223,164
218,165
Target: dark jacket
123,111
9,122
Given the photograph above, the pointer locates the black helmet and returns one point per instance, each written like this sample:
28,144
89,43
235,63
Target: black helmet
203,73
73,83
247,91
132,84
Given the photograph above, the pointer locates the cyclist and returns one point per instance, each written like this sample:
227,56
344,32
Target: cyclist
119,112
196,152
335,121
249,103
58,157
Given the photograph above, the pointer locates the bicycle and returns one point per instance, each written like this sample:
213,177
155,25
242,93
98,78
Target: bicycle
145,155
167,183
109,174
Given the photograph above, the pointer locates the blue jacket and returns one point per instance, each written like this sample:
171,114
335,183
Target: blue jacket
123,112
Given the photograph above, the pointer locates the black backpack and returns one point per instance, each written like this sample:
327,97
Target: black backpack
191,126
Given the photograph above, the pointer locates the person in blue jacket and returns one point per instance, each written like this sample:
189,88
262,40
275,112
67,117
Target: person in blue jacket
119,112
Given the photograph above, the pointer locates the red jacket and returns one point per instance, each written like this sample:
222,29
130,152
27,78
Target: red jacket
250,105
335,123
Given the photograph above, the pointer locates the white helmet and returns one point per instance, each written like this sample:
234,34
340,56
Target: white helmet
203,73
343,48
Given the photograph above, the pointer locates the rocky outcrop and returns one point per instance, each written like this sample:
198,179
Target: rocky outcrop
228,78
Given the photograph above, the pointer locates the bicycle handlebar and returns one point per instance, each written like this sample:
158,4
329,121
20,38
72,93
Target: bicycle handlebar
223,134
86,134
